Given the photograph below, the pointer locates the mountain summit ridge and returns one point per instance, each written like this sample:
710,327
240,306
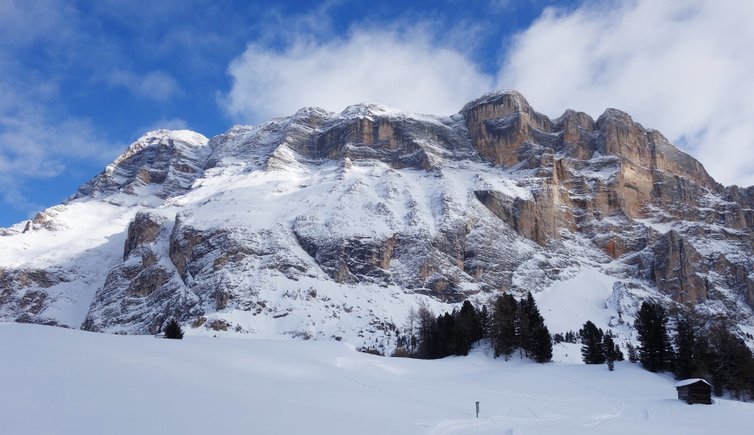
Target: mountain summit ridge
333,225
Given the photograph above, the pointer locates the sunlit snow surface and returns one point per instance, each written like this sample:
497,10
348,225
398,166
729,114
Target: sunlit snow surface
57,381
567,304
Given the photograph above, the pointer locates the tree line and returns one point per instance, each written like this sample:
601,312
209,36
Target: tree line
694,348
510,325
697,348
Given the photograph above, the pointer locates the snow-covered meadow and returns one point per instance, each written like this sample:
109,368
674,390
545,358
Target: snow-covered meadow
59,381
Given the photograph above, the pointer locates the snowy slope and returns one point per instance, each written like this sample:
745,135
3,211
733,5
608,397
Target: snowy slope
64,254
62,381
73,257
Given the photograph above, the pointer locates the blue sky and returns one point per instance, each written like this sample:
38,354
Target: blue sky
80,80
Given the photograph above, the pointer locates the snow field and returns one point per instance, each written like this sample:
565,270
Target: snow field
58,381
568,304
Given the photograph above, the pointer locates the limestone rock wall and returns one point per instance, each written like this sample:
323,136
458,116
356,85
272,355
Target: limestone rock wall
146,290
678,269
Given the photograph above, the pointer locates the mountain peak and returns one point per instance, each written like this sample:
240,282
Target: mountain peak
187,136
366,109
615,115
171,158
159,137
513,100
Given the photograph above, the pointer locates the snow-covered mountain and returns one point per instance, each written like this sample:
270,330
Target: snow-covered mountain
333,225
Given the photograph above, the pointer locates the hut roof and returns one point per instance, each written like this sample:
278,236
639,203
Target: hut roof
685,382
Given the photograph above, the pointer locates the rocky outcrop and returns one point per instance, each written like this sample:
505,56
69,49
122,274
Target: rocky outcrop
160,164
735,276
144,291
353,260
143,230
678,269
540,218
375,138
501,124
576,131
24,297
650,171
534,222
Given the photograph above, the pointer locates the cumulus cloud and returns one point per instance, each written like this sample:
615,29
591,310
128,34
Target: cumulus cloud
683,68
401,69
153,85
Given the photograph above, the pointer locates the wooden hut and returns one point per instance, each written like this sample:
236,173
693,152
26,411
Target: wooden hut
694,391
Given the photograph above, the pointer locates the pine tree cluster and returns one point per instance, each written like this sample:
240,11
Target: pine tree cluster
510,325
598,347
519,325
431,337
568,337
698,349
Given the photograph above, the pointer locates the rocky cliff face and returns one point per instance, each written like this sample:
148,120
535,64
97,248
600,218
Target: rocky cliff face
158,165
333,225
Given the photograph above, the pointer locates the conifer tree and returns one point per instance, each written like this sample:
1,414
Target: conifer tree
426,332
173,330
654,350
467,329
503,326
542,350
410,328
592,350
685,362
570,337
619,354
610,350
536,341
446,340
730,362
525,327
632,353
484,322
447,334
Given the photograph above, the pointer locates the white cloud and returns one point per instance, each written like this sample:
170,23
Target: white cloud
153,85
683,68
402,69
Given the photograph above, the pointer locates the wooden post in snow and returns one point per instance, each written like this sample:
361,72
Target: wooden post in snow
477,409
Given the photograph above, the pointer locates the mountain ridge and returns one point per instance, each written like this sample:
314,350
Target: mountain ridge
269,228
